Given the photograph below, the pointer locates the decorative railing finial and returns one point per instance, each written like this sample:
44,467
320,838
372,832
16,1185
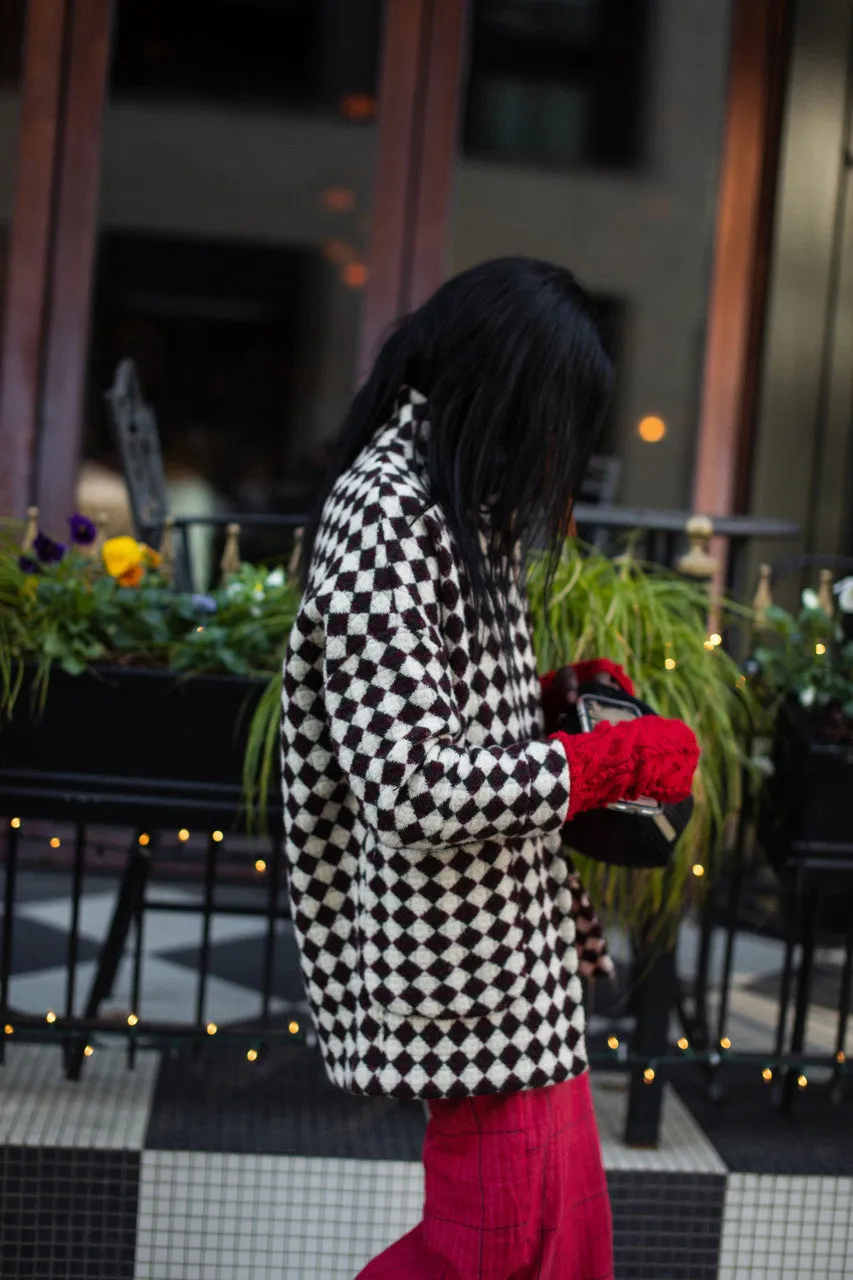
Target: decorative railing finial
763,596
295,555
697,561
230,562
167,549
824,594
31,529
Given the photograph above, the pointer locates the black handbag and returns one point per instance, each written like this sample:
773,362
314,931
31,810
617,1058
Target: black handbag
620,837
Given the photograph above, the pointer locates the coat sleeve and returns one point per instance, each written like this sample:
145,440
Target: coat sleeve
399,739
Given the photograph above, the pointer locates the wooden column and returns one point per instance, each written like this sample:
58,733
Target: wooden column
399,88
419,94
438,150
61,430
25,314
758,69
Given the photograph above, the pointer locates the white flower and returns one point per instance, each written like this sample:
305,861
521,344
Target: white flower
276,578
807,697
764,766
844,591
810,600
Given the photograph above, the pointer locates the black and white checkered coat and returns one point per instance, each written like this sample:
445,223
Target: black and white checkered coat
423,807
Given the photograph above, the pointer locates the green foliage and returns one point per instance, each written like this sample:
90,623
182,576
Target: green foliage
807,657
654,622
73,614
262,757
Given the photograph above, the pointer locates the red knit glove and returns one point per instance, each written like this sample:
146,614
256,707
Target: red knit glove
650,757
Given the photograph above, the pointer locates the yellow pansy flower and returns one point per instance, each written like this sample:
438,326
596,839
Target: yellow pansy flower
121,555
126,560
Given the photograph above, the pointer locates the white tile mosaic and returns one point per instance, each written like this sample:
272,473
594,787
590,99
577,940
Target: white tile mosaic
781,1227
683,1148
107,1108
232,1217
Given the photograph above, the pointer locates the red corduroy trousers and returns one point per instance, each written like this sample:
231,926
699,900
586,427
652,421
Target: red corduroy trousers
514,1189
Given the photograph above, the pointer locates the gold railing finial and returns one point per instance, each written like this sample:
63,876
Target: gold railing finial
167,549
295,555
824,594
230,562
763,596
31,529
697,561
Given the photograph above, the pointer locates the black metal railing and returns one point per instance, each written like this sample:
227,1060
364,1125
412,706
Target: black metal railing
77,811
145,807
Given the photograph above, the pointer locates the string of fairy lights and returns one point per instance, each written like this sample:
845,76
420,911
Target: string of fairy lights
58,1023
618,1052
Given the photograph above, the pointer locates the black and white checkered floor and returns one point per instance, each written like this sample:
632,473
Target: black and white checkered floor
203,1165
171,950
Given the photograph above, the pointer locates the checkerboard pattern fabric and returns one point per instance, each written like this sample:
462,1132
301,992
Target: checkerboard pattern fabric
432,901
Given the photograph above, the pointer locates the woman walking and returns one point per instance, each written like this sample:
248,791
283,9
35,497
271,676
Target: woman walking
438,918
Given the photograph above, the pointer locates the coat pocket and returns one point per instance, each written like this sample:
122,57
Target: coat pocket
441,936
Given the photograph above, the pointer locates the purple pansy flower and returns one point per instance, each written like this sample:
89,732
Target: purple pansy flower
83,530
27,564
48,551
204,604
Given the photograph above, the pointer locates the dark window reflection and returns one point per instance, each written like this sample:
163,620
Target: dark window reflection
557,81
12,19
238,158
320,55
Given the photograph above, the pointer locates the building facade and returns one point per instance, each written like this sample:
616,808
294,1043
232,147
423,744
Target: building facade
243,197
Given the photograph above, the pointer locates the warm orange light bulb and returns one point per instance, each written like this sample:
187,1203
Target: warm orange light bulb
359,106
651,429
354,275
338,199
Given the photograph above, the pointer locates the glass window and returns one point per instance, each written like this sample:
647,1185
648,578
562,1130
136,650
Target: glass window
558,83
235,196
318,56
592,139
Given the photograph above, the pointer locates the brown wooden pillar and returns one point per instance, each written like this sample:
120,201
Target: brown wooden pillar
61,428
399,85
419,94
435,177
51,252
758,70
25,315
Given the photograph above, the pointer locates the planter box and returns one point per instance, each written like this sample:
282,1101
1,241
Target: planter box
115,735
806,808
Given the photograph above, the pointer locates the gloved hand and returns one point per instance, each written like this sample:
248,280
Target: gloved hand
560,688
650,756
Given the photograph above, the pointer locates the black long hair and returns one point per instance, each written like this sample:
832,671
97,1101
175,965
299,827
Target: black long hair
513,366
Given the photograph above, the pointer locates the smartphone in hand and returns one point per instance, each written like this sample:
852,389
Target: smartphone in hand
594,709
